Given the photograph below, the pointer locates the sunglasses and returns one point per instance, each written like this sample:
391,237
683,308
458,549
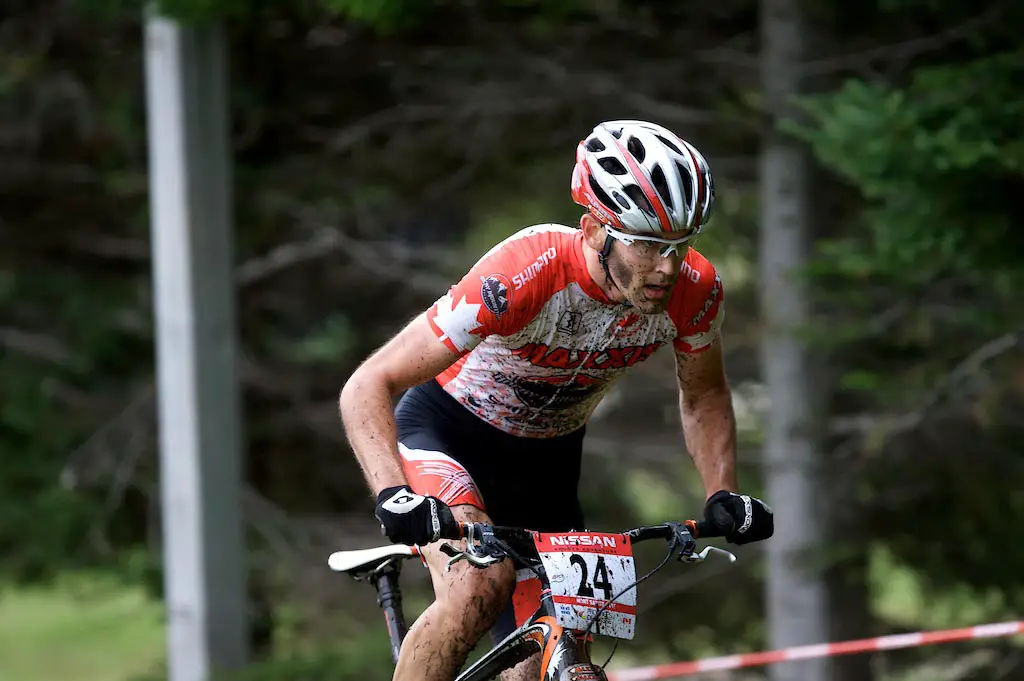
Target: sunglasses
649,246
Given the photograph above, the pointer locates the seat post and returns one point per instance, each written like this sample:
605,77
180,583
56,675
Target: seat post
389,597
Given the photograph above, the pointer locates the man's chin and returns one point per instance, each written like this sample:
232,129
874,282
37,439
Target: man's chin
645,305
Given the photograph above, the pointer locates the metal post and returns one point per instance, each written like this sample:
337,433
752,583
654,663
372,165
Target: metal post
195,318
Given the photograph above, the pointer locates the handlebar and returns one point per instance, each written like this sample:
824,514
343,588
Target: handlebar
489,544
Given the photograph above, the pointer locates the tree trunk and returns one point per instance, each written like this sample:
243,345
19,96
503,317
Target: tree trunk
797,593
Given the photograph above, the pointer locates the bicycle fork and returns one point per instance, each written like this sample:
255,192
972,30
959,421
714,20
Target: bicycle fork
565,656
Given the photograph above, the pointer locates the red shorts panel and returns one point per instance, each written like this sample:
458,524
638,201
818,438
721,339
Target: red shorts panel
526,597
438,475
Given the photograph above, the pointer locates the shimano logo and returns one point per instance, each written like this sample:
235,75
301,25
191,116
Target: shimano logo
582,540
531,270
688,272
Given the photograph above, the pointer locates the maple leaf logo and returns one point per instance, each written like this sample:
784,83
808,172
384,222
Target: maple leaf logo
458,321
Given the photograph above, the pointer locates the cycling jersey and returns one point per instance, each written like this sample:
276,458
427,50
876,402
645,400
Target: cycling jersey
540,342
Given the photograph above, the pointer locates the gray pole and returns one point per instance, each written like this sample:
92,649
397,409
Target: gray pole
195,317
797,594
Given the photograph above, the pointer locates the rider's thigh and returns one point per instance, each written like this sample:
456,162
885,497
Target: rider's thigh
478,595
527,670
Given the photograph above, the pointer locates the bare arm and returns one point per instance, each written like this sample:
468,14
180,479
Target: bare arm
709,423
413,356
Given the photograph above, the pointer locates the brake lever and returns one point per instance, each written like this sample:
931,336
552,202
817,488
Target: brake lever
683,540
705,552
475,561
479,560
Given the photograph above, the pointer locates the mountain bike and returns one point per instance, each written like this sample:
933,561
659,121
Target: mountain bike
588,587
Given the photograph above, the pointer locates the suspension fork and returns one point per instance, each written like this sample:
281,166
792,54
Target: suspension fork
566,653
389,598
567,656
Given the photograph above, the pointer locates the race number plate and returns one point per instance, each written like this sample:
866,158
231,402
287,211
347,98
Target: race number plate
586,570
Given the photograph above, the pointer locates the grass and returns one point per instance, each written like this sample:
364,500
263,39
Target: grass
84,629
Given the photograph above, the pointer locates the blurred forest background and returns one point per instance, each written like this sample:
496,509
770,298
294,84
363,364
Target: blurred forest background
379,146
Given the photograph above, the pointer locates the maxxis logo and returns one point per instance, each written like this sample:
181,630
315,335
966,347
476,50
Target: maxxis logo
543,355
708,302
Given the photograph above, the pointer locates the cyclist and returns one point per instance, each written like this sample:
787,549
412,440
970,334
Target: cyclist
504,370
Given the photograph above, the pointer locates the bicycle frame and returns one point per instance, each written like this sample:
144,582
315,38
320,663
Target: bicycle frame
561,649
564,653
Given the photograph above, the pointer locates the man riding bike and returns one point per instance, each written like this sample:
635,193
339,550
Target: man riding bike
506,368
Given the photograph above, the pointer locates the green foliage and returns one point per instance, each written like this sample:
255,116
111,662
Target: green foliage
332,340
187,11
939,161
341,662
928,272
44,414
384,15
40,523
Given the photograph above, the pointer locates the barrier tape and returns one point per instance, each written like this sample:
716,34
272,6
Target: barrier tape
921,638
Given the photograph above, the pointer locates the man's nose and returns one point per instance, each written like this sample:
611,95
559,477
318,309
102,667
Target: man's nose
669,264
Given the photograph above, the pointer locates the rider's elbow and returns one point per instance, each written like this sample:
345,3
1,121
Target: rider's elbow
356,388
367,382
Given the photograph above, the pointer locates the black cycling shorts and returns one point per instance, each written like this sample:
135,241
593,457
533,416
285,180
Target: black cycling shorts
449,453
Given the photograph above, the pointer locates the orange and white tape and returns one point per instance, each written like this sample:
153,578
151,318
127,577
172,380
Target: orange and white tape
864,645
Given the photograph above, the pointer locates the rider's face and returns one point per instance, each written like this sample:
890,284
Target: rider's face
645,277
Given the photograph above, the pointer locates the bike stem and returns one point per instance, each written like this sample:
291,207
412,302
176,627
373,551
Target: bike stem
389,598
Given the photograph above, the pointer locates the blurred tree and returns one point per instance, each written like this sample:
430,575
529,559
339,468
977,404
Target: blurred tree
797,591
922,289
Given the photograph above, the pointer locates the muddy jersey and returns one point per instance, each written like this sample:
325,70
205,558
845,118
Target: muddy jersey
541,343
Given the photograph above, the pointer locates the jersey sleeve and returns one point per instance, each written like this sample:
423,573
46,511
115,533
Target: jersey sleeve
699,314
486,301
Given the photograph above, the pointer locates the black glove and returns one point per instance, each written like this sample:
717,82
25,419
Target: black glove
409,518
739,518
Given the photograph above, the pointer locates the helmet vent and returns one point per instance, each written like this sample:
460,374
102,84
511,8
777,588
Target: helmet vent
612,165
661,184
634,192
687,183
636,148
595,145
602,196
669,144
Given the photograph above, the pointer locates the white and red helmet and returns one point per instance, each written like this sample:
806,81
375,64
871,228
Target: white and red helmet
642,178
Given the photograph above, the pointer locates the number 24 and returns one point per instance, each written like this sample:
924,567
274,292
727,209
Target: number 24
600,577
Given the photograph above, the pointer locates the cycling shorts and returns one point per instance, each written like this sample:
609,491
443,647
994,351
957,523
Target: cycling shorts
450,453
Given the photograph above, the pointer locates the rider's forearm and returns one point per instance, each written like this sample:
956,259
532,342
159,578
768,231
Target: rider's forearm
366,411
709,426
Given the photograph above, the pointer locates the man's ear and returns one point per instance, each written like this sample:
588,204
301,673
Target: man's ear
593,231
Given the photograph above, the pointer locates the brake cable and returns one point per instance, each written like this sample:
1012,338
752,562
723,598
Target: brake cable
673,542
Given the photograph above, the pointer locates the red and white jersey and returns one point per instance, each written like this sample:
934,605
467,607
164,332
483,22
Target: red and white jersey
541,343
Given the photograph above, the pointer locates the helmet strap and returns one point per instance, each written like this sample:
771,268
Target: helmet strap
602,257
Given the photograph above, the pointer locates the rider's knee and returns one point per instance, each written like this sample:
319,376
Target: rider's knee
482,595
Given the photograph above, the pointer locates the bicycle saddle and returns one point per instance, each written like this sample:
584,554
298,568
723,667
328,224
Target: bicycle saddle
367,560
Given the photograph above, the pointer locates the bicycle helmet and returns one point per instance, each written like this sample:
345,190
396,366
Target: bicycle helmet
641,177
